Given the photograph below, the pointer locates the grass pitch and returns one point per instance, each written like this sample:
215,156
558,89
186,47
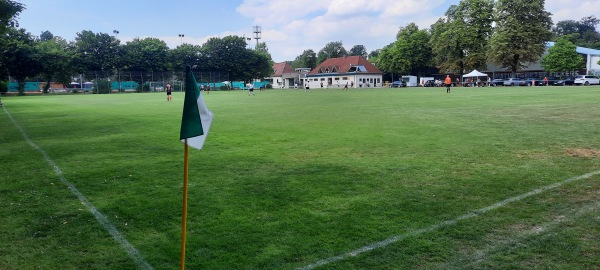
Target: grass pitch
288,178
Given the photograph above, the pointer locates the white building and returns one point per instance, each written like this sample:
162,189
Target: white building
354,71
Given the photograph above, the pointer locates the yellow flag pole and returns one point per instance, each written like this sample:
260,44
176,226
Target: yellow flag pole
185,195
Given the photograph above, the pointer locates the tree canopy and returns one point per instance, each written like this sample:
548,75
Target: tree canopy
331,50
562,57
582,33
522,28
359,50
460,40
308,59
409,54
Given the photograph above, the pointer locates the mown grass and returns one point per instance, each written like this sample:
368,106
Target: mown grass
288,178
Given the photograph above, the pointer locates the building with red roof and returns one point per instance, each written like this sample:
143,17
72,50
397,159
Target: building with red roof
284,75
354,71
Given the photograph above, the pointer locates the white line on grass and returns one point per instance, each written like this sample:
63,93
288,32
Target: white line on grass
474,213
116,235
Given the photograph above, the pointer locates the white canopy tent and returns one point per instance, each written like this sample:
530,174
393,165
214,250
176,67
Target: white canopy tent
476,74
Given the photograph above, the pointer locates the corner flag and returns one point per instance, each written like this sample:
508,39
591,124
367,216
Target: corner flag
196,118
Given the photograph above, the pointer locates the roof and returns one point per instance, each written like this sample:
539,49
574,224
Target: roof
346,64
281,68
581,50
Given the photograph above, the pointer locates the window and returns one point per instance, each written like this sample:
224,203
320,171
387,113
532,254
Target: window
345,78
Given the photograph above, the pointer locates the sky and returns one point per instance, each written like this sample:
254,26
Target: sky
288,27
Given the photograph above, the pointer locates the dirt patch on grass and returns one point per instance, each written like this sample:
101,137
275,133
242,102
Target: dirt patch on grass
582,152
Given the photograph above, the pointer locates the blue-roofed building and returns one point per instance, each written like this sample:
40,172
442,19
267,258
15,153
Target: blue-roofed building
591,56
535,70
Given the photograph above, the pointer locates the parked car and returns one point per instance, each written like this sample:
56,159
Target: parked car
529,82
430,83
398,84
586,80
512,81
497,82
563,82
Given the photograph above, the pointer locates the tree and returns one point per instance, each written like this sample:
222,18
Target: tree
97,52
308,59
522,28
359,50
562,57
46,35
263,49
581,33
459,41
409,54
149,54
20,54
230,55
8,11
54,57
187,54
374,53
331,50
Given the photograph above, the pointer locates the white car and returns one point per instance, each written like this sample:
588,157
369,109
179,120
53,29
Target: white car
586,80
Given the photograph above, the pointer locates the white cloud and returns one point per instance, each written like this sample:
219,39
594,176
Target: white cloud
290,27
572,10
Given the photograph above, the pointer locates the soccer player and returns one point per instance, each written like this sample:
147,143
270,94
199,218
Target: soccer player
169,97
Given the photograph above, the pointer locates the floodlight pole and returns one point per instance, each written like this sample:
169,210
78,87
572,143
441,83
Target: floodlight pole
116,32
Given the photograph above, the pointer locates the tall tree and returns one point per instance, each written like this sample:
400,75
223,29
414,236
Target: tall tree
581,33
263,49
187,54
308,59
331,50
46,35
97,51
230,55
359,50
460,40
562,57
9,10
149,54
522,28
409,54
20,53
54,57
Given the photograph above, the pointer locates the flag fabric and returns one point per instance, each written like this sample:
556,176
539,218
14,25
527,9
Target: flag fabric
196,118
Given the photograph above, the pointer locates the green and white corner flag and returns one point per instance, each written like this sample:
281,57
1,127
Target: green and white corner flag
196,118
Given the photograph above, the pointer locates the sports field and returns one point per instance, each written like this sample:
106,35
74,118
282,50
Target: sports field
481,178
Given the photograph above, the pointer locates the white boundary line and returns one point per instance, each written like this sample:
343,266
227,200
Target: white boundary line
109,227
474,213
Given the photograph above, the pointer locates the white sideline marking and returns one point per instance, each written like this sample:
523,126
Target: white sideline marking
474,213
116,235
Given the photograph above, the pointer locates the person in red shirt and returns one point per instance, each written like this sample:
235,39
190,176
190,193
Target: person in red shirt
448,82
